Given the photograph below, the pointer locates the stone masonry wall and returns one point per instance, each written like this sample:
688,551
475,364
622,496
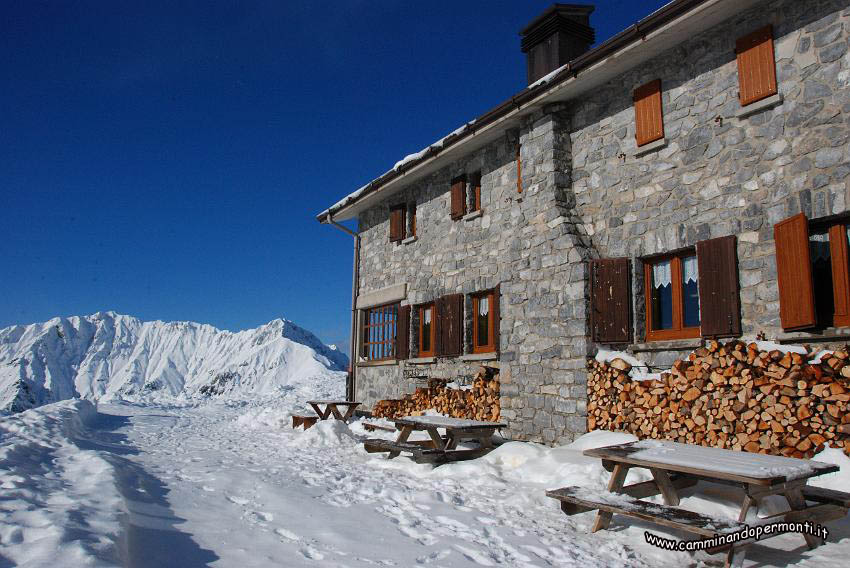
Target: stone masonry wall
522,242
721,175
586,194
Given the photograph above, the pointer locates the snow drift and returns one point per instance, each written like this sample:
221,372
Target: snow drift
61,504
111,356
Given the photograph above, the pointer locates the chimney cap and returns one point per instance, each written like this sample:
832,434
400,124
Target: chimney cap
577,12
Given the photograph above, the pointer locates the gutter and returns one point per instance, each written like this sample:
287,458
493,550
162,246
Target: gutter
355,285
633,34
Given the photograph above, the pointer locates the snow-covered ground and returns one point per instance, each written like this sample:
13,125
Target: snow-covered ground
231,484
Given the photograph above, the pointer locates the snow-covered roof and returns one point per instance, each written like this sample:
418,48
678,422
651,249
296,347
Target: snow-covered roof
666,27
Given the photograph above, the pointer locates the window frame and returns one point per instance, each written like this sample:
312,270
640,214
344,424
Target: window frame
411,212
677,331
433,335
392,309
489,347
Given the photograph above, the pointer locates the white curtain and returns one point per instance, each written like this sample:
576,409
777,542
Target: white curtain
690,271
819,246
428,315
484,306
661,275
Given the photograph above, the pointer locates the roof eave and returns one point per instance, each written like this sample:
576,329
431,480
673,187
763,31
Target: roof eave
652,28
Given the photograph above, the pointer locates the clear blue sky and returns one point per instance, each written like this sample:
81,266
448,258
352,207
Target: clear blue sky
167,159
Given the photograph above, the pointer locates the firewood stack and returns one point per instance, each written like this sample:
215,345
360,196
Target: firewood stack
732,396
480,402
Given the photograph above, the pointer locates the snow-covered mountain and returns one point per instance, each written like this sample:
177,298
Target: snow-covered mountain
108,355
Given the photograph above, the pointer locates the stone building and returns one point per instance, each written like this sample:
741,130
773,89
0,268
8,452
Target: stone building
685,179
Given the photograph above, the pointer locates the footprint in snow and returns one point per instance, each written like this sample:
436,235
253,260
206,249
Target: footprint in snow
311,553
433,557
451,523
288,535
237,500
260,516
207,488
474,556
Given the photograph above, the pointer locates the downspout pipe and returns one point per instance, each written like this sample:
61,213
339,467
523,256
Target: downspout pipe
355,286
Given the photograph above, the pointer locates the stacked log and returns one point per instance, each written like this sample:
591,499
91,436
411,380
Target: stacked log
733,396
479,402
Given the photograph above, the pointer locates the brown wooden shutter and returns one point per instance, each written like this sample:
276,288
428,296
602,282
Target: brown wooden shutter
403,333
452,323
458,198
794,273
497,316
610,300
649,120
437,318
719,301
397,223
756,66
840,275
449,330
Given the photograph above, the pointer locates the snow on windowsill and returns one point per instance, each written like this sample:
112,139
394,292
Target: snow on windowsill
473,215
480,356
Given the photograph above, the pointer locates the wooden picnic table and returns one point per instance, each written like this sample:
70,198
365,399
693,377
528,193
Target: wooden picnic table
674,466
439,448
331,408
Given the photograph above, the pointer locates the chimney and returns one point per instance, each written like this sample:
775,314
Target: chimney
556,36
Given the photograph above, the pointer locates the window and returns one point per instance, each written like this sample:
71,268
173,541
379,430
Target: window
379,332
475,187
756,66
816,291
397,228
686,293
672,297
427,330
649,122
484,321
411,214
458,199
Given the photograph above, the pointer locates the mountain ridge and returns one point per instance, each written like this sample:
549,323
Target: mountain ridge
107,355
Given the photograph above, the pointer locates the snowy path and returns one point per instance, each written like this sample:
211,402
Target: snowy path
253,496
217,484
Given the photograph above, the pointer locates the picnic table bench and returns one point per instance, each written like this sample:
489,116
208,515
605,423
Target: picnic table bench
331,408
439,449
675,466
